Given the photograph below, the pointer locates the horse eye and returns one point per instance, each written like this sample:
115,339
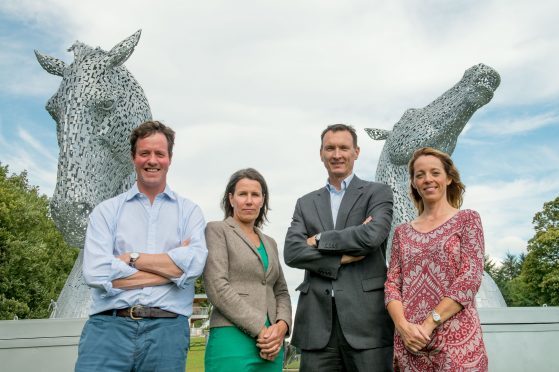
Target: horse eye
106,104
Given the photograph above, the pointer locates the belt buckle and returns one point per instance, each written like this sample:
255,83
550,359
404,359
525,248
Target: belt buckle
132,312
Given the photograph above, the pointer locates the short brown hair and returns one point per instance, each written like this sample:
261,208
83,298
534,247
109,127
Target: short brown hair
339,128
149,128
454,192
251,174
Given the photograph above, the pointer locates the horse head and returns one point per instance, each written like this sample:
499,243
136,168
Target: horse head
440,123
95,108
436,125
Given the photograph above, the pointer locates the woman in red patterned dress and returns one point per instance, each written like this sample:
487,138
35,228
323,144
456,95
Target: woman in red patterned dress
435,271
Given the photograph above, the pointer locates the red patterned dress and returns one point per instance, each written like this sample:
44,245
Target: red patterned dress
424,268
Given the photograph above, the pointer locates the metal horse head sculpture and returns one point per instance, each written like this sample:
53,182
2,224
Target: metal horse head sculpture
436,125
95,108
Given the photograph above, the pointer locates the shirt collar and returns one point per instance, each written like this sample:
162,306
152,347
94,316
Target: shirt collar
345,184
134,191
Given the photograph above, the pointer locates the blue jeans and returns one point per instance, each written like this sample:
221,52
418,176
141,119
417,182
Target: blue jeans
111,343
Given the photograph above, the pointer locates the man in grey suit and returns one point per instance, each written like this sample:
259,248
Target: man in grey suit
341,323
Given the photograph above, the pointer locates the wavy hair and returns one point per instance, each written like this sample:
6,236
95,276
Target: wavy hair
454,191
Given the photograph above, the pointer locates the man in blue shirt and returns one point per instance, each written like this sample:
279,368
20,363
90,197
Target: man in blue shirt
144,250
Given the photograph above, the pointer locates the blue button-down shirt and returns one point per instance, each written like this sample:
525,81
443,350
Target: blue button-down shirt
336,196
129,223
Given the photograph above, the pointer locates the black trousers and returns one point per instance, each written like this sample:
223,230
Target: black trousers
339,356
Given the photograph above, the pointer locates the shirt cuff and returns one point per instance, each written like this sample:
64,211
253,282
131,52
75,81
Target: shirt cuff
119,270
181,257
110,291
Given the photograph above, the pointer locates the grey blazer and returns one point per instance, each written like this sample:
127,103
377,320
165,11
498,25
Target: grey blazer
359,286
235,281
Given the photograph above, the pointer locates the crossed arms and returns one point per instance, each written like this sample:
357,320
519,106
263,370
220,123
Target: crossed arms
153,269
180,265
336,246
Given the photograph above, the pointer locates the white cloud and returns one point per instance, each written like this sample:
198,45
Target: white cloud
515,125
36,145
507,209
251,83
41,174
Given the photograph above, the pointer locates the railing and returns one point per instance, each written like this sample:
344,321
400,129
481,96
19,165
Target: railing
200,311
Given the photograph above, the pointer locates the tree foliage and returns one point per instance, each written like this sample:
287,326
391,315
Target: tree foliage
533,279
34,259
539,276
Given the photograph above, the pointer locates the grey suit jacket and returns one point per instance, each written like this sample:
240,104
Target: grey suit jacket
235,281
358,287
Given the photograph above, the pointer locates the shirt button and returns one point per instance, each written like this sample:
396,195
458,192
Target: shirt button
263,282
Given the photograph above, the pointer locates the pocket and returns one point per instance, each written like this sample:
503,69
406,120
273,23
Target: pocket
303,287
372,284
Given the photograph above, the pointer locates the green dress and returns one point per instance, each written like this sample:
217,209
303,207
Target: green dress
229,349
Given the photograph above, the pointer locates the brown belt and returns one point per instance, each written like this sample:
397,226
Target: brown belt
138,312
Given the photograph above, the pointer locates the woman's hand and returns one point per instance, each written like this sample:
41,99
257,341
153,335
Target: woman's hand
414,336
270,340
428,326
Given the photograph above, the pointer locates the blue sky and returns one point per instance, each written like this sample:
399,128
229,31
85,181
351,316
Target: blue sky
253,83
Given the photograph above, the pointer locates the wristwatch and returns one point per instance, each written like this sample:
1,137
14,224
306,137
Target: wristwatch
317,238
133,258
436,317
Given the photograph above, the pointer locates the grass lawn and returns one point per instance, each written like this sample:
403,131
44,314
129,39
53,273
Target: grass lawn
195,360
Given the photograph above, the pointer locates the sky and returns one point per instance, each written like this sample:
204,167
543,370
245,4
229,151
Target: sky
253,83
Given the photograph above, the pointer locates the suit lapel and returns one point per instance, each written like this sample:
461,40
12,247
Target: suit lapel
324,209
352,194
237,230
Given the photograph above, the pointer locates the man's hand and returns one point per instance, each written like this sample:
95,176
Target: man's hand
312,241
346,259
270,340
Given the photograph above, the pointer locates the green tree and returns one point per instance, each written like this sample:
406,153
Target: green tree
34,259
490,267
505,274
506,277
538,282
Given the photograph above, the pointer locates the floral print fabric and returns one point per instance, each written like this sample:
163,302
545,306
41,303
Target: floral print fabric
424,268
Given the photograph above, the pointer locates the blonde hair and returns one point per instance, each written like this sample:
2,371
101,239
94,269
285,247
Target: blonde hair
454,192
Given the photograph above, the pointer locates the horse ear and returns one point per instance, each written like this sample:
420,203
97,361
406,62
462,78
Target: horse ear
378,134
50,64
120,52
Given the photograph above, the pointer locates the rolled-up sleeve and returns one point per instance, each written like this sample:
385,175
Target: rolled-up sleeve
472,247
192,258
100,266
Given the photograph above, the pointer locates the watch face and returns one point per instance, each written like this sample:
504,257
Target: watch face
134,256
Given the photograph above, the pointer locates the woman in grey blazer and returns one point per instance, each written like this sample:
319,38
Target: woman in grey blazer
245,283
